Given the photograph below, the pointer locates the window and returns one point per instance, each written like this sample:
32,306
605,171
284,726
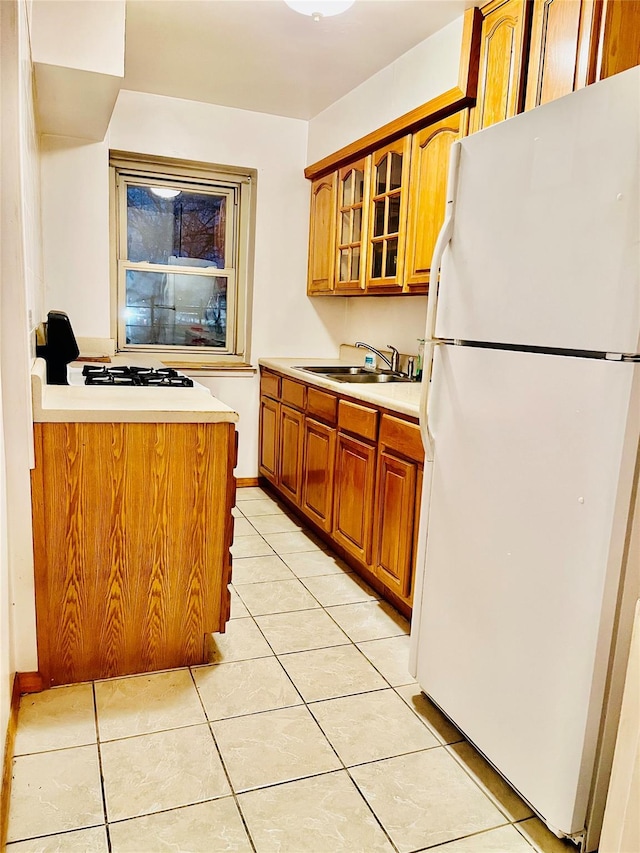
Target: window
181,247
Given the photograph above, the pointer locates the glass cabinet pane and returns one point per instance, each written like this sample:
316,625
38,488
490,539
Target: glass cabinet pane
381,176
357,225
344,265
393,225
347,189
378,218
358,189
395,179
392,257
376,263
355,263
345,229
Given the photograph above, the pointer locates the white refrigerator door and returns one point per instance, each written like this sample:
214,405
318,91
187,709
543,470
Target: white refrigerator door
546,241
529,506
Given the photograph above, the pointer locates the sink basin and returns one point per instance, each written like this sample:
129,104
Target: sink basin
344,373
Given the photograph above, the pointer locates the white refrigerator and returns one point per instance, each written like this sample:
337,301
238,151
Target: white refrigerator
529,546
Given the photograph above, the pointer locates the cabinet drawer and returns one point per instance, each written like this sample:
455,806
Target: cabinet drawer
293,393
402,437
322,405
270,385
359,420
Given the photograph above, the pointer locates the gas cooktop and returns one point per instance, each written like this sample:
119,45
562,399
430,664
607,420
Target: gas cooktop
125,375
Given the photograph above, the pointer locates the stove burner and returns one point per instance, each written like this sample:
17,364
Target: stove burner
163,377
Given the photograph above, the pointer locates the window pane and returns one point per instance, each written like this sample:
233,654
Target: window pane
381,176
176,309
355,264
392,258
191,225
395,179
394,214
378,218
376,265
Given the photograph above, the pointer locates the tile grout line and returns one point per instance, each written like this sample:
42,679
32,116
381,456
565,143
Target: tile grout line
222,762
100,768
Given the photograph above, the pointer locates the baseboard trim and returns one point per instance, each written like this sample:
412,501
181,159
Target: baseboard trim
7,769
30,682
241,482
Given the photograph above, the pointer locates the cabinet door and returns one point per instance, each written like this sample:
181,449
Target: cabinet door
318,467
396,497
620,40
322,235
353,195
559,59
388,216
428,181
353,496
291,445
501,76
269,438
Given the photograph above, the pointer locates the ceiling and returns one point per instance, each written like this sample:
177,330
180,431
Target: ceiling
260,55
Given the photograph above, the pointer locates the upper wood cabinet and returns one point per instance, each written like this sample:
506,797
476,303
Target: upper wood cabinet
388,215
561,58
430,149
353,203
321,272
502,62
619,37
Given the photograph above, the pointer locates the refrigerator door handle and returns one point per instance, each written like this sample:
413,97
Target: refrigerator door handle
432,305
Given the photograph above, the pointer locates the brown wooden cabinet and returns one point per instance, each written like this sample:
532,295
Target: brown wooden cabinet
353,495
269,438
291,448
132,530
388,216
430,149
398,488
317,472
502,70
619,37
321,272
352,222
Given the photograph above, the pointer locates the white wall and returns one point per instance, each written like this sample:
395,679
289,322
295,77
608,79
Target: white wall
20,294
76,238
423,73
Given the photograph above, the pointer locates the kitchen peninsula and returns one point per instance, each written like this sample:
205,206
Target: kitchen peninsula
132,494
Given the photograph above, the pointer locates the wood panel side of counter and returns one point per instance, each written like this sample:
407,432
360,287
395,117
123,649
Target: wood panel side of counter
132,537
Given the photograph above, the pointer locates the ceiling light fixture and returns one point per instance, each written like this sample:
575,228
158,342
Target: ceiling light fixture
318,9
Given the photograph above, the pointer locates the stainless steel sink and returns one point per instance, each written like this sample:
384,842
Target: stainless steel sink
343,373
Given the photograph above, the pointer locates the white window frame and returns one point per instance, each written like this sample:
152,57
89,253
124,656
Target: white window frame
237,186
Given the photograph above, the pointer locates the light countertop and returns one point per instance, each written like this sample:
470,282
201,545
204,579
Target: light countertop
100,404
401,397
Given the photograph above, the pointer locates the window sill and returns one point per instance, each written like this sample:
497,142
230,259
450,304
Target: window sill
203,369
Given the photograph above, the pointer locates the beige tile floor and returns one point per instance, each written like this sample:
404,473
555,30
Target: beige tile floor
307,733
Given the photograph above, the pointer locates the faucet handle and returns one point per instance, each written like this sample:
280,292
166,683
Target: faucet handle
395,359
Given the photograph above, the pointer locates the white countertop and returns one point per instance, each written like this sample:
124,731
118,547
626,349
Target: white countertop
114,404
401,397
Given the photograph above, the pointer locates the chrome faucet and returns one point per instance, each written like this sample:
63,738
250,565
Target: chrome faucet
393,362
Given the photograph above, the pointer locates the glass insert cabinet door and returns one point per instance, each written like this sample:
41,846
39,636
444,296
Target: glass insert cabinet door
353,196
388,215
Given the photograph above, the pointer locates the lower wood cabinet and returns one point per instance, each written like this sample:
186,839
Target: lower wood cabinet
132,530
353,495
317,472
291,444
353,470
396,500
269,438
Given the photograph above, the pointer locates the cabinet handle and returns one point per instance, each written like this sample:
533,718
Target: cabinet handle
432,306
